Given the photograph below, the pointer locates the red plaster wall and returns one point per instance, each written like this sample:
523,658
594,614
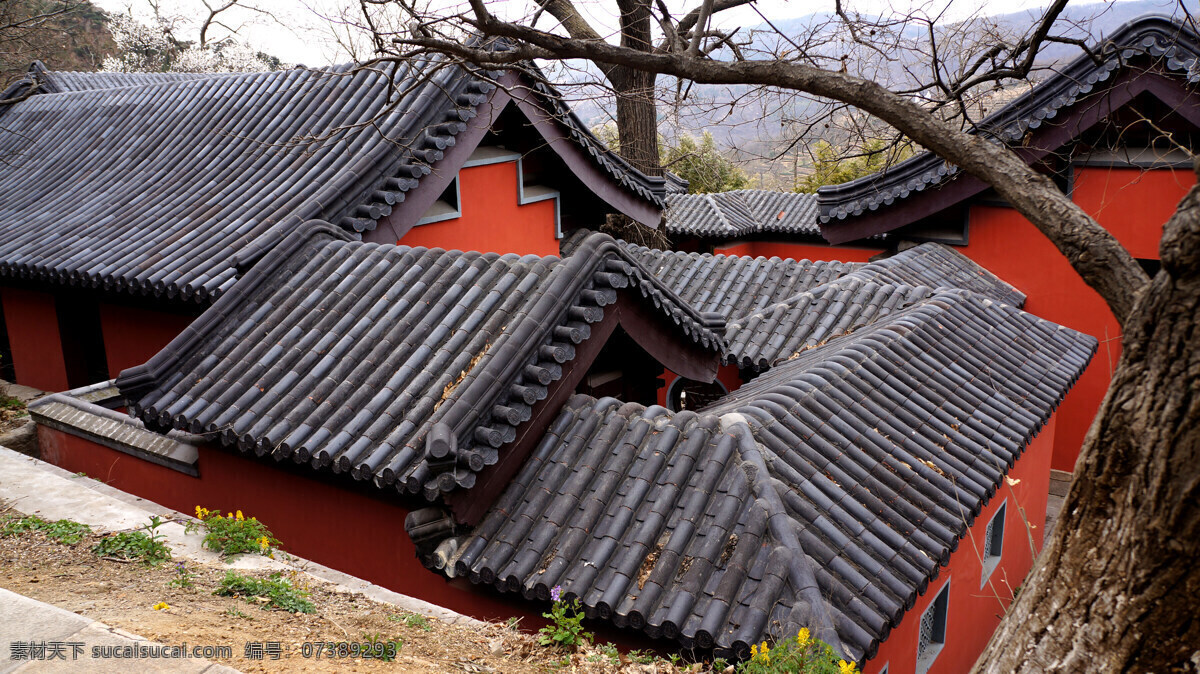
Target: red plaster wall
973,613
491,220
342,529
798,251
132,335
33,337
1133,204
726,374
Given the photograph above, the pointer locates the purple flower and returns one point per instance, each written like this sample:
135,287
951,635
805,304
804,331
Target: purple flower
556,593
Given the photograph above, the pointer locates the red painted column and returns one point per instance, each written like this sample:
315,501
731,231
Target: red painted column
132,334
33,337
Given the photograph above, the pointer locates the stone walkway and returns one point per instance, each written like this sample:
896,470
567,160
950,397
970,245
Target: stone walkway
38,637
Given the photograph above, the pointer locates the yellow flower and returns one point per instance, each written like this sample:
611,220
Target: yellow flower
239,516
753,651
803,636
846,667
160,606
264,543
201,513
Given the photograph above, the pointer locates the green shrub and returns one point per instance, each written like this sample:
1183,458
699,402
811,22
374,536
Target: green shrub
275,591
234,534
145,545
61,531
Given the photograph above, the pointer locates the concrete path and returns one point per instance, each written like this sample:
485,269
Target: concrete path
33,487
38,637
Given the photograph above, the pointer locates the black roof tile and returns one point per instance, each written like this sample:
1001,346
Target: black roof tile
727,215
824,494
177,179
776,308
406,366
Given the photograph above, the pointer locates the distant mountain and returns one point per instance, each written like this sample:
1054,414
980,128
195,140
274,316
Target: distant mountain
76,40
750,127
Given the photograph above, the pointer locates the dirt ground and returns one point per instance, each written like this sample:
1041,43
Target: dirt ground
123,595
11,420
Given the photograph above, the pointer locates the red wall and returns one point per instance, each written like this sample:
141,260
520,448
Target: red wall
339,528
1133,204
491,220
726,374
973,613
132,335
32,325
798,251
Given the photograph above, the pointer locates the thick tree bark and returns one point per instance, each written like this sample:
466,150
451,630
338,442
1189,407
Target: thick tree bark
637,109
1117,588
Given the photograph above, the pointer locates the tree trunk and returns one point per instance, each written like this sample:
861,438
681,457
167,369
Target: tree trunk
637,119
1117,588
637,109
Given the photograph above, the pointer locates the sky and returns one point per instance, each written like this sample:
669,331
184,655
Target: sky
299,32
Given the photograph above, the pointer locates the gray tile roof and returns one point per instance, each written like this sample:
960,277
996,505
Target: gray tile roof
1175,46
776,308
727,215
170,181
173,177
59,81
406,366
824,494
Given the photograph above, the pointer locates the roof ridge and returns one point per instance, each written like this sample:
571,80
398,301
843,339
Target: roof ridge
800,570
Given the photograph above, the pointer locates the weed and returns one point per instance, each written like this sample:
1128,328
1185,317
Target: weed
418,621
145,545
609,650
233,534
642,657
513,623
61,531
11,403
234,613
720,664
382,649
565,629
275,591
183,576
804,655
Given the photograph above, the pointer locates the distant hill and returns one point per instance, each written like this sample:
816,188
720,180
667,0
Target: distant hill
749,129
77,40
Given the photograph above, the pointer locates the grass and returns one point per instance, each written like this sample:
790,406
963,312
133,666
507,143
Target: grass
11,403
145,545
65,532
413,620
275,591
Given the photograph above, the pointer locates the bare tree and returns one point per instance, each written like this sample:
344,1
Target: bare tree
1116,587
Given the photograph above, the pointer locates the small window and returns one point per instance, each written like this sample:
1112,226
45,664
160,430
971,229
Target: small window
933,630
993,543
689,394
